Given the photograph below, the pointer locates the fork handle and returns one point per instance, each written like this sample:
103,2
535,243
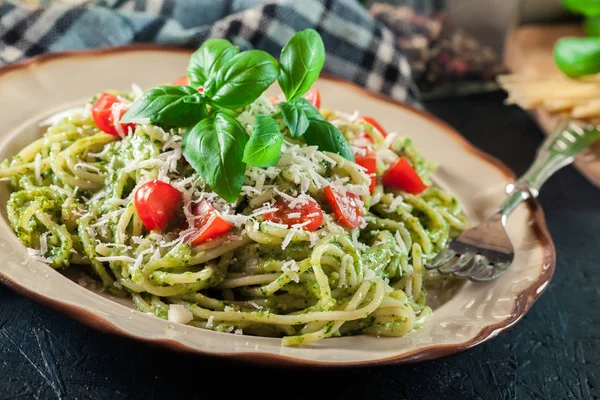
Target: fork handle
558,150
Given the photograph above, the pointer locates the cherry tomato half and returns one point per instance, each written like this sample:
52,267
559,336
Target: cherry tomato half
157,204
367,159
346,207
102,112
403,176
181,81
314,97
208,223
310,211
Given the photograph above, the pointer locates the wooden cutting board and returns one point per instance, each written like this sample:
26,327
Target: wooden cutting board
528,50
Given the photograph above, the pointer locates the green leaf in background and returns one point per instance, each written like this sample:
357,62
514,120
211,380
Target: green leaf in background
311,111
209,58
328,138
168,106
592,26
264,147
295,118
301,61
577,57
589,8
214,147
242,79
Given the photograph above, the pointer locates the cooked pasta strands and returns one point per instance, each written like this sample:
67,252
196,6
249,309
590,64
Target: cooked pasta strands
73,201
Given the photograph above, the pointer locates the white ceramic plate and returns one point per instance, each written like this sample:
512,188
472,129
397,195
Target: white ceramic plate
475,313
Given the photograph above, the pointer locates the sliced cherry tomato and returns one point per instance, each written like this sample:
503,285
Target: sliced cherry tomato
314,97
403,176
182,81
300,214
102,112
366,158
371,121
346,207
157,204
274,99
208,223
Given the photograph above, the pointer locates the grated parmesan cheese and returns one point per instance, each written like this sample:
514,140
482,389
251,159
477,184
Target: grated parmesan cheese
44,243
180,314
291,269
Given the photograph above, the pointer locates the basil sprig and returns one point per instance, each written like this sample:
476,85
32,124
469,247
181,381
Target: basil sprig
222,81
295,118
301,61
242,79
264,147
209,58
326,136
214,147
169,106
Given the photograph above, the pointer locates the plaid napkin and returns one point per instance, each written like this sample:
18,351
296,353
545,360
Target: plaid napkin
386,48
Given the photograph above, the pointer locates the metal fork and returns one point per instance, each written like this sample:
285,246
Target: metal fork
485,252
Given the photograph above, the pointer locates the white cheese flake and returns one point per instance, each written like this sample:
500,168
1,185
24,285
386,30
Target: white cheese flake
291,269
44,243
179,314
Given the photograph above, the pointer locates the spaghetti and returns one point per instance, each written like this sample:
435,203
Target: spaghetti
72,202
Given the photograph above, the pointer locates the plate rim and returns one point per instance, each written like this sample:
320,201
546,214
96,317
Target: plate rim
523,302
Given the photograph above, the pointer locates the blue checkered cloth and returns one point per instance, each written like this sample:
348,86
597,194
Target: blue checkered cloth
359,48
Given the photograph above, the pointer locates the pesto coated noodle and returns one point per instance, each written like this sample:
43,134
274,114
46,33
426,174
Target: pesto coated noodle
72,202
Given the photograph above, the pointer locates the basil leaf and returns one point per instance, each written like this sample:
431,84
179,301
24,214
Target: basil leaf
295,118
242,79
214,148
301,61
310,110
209,58
171,106
264,147
323,134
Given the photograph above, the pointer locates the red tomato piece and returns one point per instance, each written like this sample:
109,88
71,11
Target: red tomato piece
208,223
310,211
274,99
157,204
346,207
103,114
314,97
181,81
403,176
371,121
367,159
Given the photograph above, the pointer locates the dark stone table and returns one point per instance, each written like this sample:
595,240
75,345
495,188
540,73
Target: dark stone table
553,353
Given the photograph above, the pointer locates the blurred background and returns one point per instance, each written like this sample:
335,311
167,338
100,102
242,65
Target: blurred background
454,47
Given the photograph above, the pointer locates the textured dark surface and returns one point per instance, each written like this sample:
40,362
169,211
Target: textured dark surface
553,353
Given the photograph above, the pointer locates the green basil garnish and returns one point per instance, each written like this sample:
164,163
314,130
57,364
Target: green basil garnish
169,106
295,118
301,62
214,147
264,147
209,58
242,79
311,111
323,134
